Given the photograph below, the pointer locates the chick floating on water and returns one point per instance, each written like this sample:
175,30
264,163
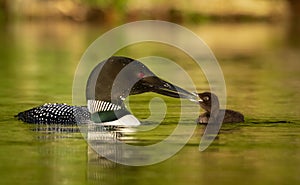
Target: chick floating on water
210,103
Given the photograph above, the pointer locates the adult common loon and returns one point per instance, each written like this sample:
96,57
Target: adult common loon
110,82
210,102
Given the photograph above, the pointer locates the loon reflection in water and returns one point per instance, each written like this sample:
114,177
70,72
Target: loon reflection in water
108,85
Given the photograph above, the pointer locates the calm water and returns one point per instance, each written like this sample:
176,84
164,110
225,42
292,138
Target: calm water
262,77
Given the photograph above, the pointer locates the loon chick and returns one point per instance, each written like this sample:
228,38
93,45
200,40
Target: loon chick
110,82
210,102
55,113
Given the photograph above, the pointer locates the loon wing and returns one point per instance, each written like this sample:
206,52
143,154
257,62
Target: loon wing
54,113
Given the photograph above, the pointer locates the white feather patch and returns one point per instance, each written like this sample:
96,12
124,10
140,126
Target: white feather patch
127,121
100,106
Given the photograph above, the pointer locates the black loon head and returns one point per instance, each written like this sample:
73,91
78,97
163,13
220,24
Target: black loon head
113,80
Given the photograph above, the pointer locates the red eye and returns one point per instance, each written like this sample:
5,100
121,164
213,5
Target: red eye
141,75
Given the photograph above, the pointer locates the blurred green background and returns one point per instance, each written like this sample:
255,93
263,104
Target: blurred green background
257,46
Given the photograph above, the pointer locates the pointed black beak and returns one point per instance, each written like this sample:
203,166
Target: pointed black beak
157,85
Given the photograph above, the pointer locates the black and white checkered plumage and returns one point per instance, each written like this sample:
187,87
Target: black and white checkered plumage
54,113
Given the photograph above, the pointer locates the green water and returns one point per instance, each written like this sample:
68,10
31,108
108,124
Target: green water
37,65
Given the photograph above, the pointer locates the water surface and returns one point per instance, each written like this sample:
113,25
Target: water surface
262,77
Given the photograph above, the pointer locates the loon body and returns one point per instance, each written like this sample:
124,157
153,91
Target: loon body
55,113
110,82
210,102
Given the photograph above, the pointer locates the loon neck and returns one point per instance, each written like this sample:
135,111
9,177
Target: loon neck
102,106
104,111
108,113
108,116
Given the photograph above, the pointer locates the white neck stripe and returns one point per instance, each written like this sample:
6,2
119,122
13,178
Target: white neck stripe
100,106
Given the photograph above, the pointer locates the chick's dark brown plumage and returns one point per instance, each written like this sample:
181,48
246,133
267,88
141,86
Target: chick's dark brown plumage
210,103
